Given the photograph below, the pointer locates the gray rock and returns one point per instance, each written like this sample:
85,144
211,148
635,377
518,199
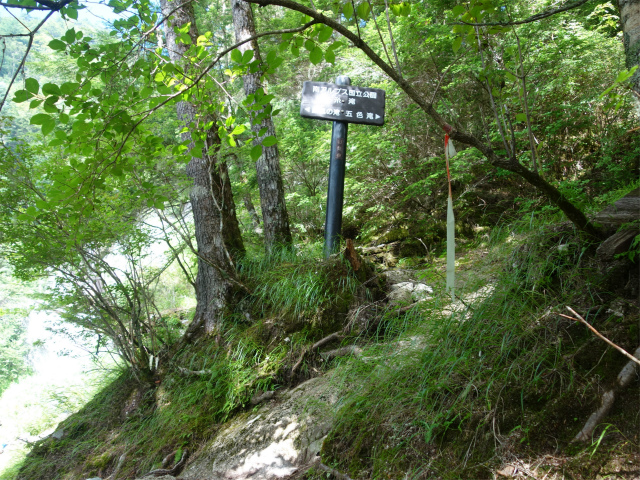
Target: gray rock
274,441
407,292
58,434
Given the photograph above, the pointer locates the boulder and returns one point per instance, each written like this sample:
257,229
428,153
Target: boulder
273,441
407,292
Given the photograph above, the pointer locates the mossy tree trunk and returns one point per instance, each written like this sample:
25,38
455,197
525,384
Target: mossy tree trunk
217,232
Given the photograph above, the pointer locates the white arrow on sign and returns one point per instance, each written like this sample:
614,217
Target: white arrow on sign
377,116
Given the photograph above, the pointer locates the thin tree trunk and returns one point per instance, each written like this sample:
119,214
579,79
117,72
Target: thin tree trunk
251,208
216,226
274,211
630,21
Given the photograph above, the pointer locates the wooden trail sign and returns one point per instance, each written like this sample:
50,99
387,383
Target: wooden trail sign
343,104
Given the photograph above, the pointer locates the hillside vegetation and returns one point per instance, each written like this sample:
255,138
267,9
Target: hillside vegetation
156,172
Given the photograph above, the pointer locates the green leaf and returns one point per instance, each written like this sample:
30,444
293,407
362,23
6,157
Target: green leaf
347,10
48,126
71,12
458,10
457,43
50,107
69,87
363,10
231,141
70,36
269,141
146,91
32,85
256,152
315,56
57,45
22,96
325,34
309,44
236,56
40,119
247,56
330,57
239,129
295,51
521,117
50,89
35,103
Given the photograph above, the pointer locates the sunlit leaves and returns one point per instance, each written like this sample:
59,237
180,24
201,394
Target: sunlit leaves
401,9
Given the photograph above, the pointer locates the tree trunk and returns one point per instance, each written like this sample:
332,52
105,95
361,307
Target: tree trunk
274,211
216,226
630,21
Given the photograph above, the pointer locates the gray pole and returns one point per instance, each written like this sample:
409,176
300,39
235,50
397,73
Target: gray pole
335,193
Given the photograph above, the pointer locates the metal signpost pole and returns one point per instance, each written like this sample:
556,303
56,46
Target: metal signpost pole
342,104
335,193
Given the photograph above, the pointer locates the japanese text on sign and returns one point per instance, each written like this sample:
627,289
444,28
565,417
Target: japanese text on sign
327,101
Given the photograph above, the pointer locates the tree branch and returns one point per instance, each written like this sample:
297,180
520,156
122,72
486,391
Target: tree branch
533,18
10,5
599,335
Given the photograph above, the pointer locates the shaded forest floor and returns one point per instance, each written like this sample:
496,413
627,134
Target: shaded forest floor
494,385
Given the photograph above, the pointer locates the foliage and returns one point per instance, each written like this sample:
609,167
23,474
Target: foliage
504,368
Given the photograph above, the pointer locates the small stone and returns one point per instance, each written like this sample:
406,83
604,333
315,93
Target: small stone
507,471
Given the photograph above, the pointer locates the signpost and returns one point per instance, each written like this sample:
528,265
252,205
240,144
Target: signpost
343,104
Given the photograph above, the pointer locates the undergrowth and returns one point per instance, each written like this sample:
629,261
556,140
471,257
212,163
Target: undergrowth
296,299
462,390
440,390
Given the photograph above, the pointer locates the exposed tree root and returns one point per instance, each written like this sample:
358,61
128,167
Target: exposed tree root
320,343
626,375
121,461
159,472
